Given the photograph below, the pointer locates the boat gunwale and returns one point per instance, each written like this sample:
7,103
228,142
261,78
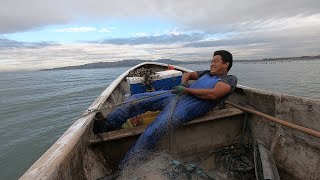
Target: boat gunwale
276,94
48,163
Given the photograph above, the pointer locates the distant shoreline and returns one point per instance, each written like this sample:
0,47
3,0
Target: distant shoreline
133,62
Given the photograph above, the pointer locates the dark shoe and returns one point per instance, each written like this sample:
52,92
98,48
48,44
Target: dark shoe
101,126
99,116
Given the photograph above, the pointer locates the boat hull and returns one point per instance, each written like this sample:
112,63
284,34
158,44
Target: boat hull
79,154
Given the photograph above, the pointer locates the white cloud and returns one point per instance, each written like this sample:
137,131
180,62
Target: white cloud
107,29
210,15
14,59
76,30
139,34
77,54
104,30
85,29
249,29
174,32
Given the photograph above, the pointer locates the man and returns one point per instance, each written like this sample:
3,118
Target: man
184,104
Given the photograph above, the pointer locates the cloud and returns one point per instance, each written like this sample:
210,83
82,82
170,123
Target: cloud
138,34
15,59
249,29
159,39
8,43
24,58
282,37
104,30
78,29
107,29
214,16
84,29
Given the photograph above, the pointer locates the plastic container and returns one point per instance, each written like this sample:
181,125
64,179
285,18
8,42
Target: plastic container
149,117
142,119
166,80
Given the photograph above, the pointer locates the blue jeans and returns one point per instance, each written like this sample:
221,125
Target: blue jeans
175,111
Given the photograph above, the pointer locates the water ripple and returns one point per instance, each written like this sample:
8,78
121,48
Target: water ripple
37,107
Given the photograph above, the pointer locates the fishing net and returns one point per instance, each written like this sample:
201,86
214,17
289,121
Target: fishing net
232,162
149,76
161,165
147,73
236,160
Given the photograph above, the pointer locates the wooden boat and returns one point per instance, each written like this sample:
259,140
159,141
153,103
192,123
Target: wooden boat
81,154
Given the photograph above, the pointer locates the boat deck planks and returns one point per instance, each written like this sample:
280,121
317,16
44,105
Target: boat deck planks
122,133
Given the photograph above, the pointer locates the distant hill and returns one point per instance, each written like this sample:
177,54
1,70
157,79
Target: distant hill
133,62
292,58
124,63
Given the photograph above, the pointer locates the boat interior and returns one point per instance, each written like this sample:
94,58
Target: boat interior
223,129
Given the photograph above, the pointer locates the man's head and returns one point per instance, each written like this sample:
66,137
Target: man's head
221,62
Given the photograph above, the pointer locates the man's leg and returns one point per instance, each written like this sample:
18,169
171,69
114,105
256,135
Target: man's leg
133,107
155,131
177,111
189,108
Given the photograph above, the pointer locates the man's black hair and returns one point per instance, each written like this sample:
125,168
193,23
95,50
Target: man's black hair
226,57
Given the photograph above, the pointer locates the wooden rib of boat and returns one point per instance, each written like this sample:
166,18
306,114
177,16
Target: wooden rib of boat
81,154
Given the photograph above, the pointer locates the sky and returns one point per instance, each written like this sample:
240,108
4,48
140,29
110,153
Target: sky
41,34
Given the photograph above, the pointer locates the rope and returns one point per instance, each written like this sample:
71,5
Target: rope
170,127
149,76
89,111
235,160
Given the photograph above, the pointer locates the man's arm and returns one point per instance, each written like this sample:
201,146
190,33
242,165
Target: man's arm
220,89
189,76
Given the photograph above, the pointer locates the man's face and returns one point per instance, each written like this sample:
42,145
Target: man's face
217,66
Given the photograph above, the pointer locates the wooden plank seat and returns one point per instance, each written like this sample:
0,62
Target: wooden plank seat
122,133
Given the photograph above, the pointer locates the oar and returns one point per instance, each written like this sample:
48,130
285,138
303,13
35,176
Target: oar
276,120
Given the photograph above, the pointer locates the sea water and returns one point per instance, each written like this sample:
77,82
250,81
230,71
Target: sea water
37,107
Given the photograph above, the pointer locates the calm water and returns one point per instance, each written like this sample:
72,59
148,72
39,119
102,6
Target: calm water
37,107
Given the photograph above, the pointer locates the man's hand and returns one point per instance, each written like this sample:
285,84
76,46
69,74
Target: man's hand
179,90
183,84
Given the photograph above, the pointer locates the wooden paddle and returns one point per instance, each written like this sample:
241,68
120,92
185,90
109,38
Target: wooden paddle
276,120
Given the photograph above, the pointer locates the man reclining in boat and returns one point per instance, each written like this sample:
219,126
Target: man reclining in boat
184,104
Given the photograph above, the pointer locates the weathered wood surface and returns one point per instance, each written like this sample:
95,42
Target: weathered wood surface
122,133
56,162
296,153
277,120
